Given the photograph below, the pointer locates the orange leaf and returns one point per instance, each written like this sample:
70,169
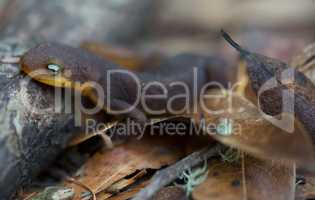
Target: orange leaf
252,179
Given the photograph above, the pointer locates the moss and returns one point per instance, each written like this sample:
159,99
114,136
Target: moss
55,193
230,155
193,178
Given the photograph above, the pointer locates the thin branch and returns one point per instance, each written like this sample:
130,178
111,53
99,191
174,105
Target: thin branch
169,174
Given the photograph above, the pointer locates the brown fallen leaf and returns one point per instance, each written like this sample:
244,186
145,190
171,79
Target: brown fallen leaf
280,89
120,185
116,187
251,179
105,169
252,133
128,194
223,182
269,179
170,193
305,63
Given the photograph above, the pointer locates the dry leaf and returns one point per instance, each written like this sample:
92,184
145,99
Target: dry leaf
252,179
105,169
224,182
269,179
280,88
305,62
170,193
253,134
128,194
121,185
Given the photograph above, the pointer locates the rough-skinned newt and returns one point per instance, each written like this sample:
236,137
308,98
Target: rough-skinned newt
68,67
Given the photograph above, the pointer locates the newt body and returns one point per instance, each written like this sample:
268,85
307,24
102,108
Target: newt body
64,66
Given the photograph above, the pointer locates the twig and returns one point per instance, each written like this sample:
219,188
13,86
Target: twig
169,174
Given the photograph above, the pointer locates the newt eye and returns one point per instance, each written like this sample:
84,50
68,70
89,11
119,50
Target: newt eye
54,68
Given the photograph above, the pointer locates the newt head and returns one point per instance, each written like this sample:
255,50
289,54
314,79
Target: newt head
55,65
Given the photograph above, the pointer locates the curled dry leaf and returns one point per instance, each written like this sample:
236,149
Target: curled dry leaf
271,79
281,90
251,179
249,131
305,62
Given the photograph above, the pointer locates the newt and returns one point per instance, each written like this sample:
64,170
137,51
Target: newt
69,67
